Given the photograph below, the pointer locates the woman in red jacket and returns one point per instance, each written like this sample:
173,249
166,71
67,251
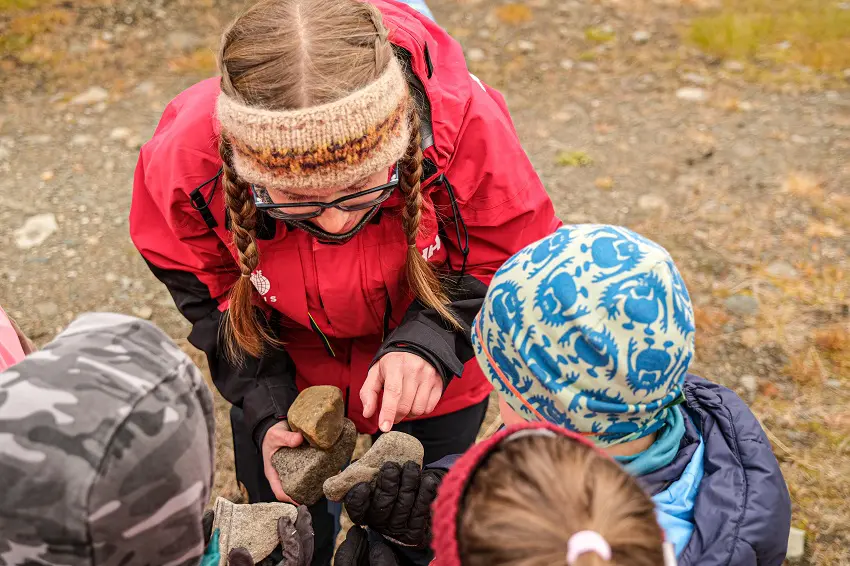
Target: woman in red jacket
330,212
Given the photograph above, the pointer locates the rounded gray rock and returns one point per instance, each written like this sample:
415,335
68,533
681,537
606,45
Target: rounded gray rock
390,447
304,469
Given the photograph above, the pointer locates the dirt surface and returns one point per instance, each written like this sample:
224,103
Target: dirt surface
743,176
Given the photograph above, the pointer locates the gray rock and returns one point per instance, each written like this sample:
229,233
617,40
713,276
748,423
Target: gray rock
782,270
47,309
318,413
475,55
304,469
742,305
749,384
35,230
392,446
253,527
92,96
641,36
692,94
652,203
82,139
144,312
183,41
796,544
695,79
120,133
525,46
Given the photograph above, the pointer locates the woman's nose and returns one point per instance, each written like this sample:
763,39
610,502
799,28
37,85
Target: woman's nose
332,220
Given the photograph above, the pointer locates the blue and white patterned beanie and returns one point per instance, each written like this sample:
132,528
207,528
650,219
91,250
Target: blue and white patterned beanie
590,328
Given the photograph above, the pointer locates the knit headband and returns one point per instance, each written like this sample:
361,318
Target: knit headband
318,150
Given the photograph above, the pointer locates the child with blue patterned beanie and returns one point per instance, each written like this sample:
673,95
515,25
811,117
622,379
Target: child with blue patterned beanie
592,329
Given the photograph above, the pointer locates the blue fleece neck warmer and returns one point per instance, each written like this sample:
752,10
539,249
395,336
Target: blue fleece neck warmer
590,328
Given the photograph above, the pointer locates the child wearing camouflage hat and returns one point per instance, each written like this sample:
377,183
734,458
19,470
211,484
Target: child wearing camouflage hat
106,453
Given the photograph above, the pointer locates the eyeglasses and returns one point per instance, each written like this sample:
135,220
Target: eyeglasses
361,200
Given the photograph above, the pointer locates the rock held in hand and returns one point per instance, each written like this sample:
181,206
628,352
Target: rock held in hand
253,527
317,414
390,447
304,469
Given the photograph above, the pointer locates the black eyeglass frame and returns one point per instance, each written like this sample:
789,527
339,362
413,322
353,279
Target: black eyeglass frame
273,209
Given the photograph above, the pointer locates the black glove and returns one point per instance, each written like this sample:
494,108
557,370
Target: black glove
296,541
399,505
356,550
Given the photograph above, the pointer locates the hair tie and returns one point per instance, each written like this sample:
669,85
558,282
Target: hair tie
587,541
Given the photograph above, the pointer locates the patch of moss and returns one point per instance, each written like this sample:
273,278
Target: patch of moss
814,33
22,31
599,35
573,159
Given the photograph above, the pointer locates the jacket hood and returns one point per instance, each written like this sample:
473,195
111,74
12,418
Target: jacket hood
742,512
107,440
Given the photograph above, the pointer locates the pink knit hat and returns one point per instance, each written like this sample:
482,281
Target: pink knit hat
11,351
447,507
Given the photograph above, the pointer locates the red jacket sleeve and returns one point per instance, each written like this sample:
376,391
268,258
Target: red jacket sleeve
198,270
500,206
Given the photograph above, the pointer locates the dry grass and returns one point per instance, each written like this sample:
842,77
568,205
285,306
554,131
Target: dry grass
813,33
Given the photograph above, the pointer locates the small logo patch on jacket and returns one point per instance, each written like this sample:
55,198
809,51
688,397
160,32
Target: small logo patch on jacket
429,251
262,285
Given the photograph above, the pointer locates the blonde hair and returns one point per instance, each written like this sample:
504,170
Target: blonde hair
290,54
532,494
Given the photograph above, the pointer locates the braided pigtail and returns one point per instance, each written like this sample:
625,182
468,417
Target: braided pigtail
243,332
420,275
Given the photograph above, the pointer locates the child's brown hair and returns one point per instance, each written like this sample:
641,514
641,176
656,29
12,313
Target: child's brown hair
293,54
533,493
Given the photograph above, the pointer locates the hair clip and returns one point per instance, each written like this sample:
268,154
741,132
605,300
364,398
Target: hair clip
587,541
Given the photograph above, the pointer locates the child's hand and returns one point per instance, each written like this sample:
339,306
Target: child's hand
296,541
358,550
397,504
412,387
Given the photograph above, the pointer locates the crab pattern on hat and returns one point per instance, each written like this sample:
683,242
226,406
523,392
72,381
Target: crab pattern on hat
591,329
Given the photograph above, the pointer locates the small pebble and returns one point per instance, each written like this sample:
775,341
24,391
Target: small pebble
92,96
641,36
47,176
143,312
47,309
567,64
35,230
695,79
749,384
475,55
692,94
796,544
82,139
782,269
120,133
525,46
742,305
733,66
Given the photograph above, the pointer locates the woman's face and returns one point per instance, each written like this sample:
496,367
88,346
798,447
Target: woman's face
333,220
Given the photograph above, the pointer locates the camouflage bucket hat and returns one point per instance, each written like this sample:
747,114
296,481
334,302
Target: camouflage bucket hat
106,449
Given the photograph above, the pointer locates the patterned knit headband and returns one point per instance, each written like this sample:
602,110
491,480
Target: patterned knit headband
318,150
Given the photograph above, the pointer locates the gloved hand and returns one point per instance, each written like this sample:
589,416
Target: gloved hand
399,505
356,550
296,541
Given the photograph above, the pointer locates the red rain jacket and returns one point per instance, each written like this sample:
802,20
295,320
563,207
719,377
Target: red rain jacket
334,305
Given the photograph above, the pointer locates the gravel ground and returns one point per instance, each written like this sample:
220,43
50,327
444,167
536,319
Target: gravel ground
746,184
